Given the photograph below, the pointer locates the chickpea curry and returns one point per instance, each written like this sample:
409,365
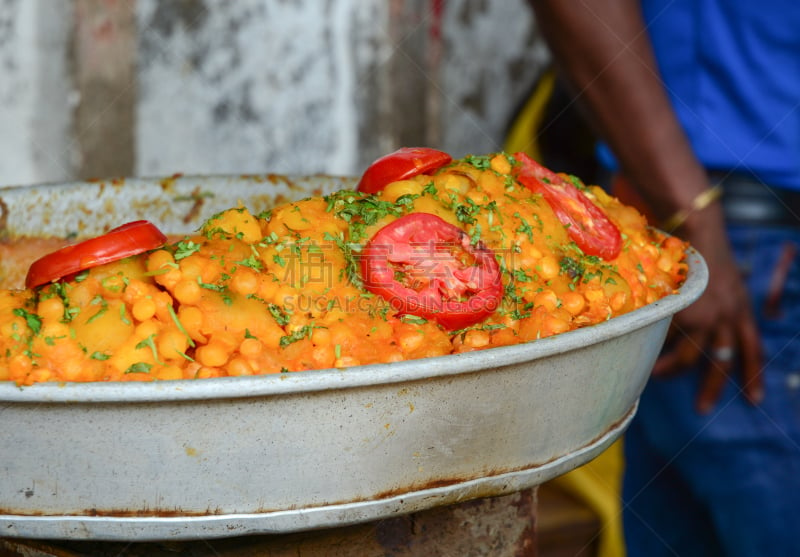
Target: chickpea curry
429,256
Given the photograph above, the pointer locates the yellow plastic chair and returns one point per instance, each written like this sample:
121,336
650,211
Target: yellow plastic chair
598,483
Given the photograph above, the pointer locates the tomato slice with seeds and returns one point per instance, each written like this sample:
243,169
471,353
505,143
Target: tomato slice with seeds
129,239
402,164
427,267
587,225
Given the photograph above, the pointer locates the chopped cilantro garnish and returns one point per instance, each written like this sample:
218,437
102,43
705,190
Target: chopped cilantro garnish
149,342
33,321
303,332
413,319
139,367
281,317
482,162
185,249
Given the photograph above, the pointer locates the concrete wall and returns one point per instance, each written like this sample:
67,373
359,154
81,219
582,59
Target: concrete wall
102,88
36,92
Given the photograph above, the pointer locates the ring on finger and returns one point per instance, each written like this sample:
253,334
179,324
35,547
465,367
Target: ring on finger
723,353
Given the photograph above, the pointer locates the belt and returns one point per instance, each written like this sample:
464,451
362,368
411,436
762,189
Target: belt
747,201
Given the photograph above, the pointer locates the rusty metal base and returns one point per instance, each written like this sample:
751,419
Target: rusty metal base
498,526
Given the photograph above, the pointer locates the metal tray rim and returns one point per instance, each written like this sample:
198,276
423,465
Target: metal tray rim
359,376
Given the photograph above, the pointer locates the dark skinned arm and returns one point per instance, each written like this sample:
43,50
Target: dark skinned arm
603,51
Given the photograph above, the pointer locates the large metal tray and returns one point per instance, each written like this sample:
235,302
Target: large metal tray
233,456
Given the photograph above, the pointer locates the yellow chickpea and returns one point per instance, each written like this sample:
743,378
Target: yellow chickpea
346,361
237,222
172,344
555,324
164,304
169,278
160,260
238,367
594,295
214,354
187,291
146,329
547,299
211,269
650,250
535,253
477,339
321,337
251,348
244,282
548,267
113,286
410,341
136,289
323,356
55,330
427,204
191,370
618,300
39,375
51,309
456,183
380,330
286,296
168,373
272,338
267,287
573,302
191,317
665,263
19,366
192,268
477,197
400,188
83,293
499,163
206,372
143,309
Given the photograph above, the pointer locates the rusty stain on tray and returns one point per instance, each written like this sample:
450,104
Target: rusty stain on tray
387,494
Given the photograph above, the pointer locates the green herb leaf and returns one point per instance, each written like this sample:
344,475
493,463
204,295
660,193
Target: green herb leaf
413,319
150,343
139,367
185,249
33,321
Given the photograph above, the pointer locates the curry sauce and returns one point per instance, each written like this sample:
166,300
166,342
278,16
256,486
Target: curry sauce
284,290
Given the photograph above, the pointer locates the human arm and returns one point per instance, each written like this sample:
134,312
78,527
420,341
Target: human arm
603,51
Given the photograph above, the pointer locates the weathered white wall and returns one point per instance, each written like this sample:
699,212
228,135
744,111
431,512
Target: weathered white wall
253,86
493,56
36,144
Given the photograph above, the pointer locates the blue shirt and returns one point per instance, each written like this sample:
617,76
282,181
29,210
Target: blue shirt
732,71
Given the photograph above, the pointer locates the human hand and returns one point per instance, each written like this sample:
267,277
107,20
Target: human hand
717,333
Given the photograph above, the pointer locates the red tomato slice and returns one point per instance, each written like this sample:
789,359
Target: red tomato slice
403,164
587,225
427,267
129,239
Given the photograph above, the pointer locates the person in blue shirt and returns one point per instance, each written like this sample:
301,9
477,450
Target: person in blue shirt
697,103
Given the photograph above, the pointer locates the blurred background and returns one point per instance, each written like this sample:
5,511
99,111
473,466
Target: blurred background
109,88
